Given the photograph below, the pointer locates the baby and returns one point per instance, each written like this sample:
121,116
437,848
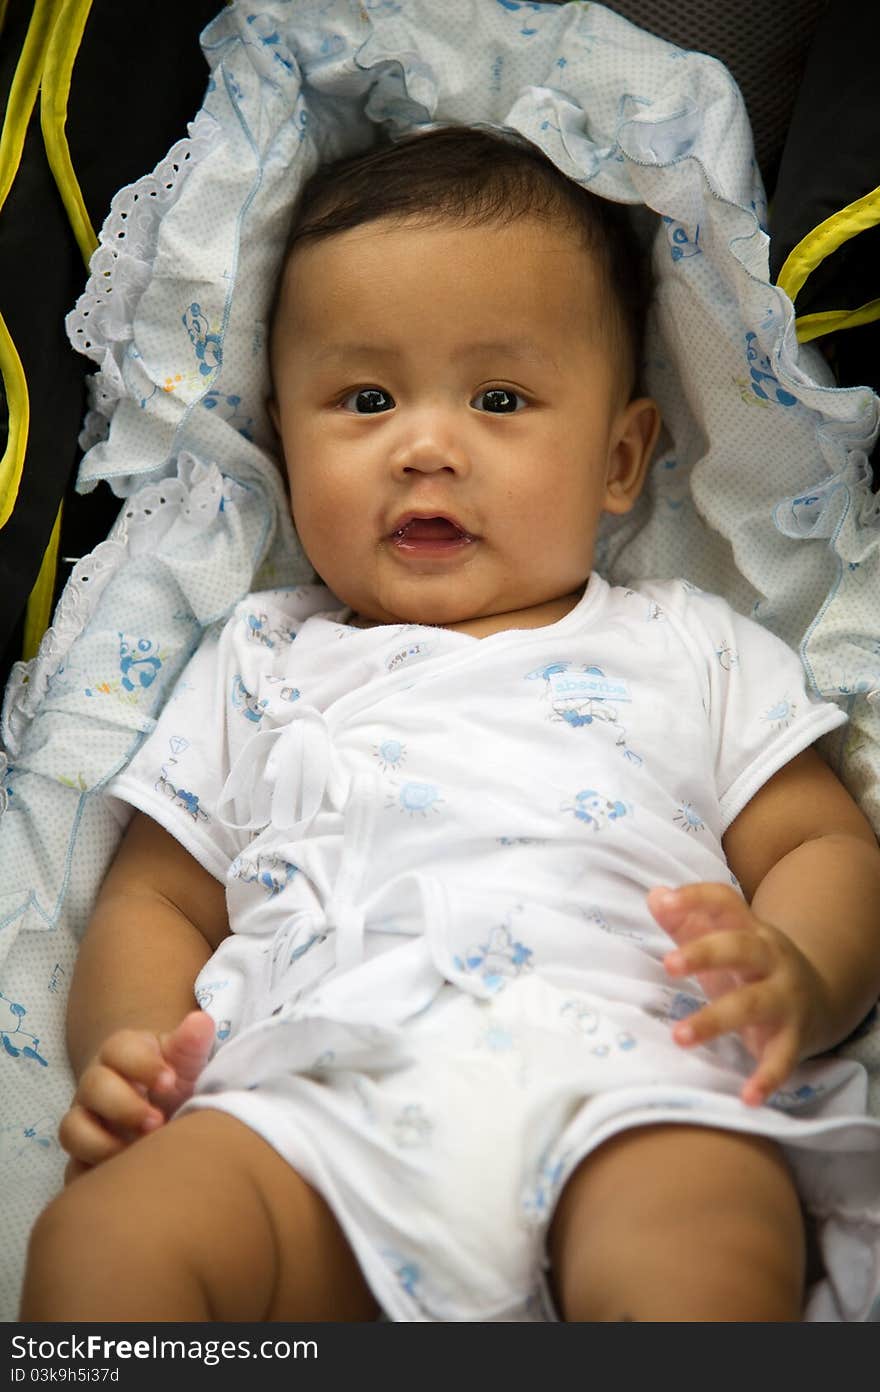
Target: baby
514,902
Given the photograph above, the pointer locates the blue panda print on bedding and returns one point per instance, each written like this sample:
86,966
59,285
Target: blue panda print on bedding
139,662
207,344
17,1040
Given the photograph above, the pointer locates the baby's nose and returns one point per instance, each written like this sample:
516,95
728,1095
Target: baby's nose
429,446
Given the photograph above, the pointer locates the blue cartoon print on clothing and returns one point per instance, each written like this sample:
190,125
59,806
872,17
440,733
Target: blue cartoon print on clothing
206,345
497,960
781,714
208,991
181,797
796,1097
595,810
287,693
580,696
408,1272
17,1041
683,1005
688,818
390,754
245,703
582,1018
269,871
728,657
682,245
138,660
412,1127
258,631
416,799
762,379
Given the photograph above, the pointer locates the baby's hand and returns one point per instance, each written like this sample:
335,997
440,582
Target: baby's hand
759,982
133,1084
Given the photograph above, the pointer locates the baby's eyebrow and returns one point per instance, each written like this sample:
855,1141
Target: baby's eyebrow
520,348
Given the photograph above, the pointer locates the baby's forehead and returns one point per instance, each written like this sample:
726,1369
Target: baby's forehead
508,300
416,258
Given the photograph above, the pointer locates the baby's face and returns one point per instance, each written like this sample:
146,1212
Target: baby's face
452,419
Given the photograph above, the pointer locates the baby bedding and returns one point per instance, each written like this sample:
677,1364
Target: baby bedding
758,492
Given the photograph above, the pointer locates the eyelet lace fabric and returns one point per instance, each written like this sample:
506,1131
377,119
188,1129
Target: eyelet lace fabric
101,325
193,499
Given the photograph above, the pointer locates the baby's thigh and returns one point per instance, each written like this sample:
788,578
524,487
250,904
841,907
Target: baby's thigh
679,1222
199,1220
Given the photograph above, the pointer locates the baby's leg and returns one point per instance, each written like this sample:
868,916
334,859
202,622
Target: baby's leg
674,1222
202,1220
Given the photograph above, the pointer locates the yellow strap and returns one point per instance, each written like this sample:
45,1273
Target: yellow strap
22,95
18,410
57,71
23,92
822,240
60,56
39,606
810,326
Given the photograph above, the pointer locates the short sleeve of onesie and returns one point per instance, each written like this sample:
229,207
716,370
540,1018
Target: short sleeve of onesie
178,775
760,710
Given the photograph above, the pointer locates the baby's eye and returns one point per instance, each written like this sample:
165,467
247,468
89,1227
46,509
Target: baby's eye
367,401
499,401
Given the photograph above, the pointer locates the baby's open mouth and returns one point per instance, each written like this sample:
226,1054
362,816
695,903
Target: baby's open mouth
429,534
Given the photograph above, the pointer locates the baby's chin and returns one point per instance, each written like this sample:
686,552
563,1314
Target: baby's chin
434,610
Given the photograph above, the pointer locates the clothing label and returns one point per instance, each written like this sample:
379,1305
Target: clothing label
588,686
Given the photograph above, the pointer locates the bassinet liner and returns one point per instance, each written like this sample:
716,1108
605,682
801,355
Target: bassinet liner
759,490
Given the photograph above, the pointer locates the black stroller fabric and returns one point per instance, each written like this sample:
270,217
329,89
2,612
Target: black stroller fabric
130,99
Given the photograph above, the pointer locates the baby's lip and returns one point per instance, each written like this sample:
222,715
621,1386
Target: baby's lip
399,527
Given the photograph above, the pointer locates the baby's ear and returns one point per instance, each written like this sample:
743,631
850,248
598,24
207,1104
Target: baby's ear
633,441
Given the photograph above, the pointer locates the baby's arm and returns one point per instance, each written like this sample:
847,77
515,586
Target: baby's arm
134,1044
799,968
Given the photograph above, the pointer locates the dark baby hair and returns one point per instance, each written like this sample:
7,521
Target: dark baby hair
475,176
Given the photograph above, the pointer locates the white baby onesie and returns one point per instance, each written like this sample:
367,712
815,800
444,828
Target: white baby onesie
443,987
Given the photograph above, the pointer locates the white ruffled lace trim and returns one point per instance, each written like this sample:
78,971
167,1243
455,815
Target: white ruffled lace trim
195,495
101,324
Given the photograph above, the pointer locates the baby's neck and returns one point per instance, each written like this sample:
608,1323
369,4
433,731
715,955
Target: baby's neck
536,616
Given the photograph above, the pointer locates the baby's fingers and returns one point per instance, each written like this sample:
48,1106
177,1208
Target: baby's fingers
696,909
750,1007
86,1141
136,1055
116,1101
778,1060
744,952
